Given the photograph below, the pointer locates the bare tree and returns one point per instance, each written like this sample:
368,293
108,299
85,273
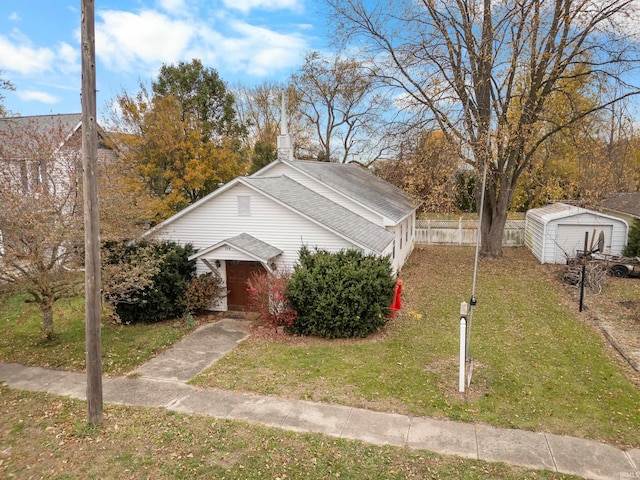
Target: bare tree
4,85
259,108
338,100
41,215
483,71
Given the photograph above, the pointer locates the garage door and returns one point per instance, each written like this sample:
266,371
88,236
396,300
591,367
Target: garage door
570,239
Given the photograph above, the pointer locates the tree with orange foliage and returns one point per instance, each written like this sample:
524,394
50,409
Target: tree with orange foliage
181,135
426,168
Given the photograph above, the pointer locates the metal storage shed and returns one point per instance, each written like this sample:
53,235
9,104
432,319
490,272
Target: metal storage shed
556,232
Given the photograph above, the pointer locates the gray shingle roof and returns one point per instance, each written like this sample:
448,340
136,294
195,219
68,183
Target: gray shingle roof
362,186
628,203
252,245
245,243
41,123
323,210
22,137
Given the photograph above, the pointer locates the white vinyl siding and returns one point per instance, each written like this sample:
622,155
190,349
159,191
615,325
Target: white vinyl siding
217,220
555,232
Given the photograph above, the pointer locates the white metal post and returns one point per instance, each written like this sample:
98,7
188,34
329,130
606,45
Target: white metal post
463,350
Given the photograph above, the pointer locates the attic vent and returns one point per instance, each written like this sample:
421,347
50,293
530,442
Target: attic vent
244,205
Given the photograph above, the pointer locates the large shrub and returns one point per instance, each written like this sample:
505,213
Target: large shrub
338,295
633,245
146,281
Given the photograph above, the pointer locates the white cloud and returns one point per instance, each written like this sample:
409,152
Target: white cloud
68,58
32,95
18,55
172,6
125,40
14,17
141,42
260,51
248,5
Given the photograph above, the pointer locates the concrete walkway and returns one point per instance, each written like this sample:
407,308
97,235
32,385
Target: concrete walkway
161,383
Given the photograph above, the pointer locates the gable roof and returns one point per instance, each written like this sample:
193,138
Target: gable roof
58,128
359,184
307,203
323,211
247,244
42,124
64,126
627,203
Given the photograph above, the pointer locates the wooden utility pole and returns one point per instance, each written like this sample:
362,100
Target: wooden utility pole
92,280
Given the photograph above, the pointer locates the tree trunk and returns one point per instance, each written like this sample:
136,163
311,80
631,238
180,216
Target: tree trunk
492,231
47,317
494,218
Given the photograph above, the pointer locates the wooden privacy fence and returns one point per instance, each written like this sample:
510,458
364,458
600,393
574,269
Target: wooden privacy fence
464,232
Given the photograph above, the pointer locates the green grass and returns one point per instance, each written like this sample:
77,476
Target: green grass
46,436
538,365
123,346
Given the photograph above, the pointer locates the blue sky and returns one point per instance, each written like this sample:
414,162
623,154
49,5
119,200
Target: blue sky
246,41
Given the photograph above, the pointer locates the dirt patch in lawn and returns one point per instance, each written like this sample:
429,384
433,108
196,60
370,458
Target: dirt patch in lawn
616,312
448,368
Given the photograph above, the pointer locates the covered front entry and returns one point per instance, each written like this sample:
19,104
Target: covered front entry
238,272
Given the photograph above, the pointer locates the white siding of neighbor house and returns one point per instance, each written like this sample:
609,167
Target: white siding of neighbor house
218,219
553,237
319,187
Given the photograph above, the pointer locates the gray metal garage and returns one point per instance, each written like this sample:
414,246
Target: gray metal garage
556,232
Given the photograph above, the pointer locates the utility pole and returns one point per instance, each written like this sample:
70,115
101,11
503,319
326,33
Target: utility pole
92,280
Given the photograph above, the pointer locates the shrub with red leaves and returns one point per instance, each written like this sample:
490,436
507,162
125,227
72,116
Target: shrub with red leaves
268,296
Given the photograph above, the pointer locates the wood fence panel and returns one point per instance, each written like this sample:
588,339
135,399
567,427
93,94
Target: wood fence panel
464,232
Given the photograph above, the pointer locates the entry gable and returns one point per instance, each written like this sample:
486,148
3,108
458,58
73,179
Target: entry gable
246,244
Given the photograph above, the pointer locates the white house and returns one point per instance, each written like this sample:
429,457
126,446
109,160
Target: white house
556,232
259,223
40,160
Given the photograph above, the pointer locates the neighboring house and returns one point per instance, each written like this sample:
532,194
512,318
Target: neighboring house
623,205
259,223
44,149
41,157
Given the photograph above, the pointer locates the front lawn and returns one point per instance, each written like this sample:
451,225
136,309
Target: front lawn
124,347
539,365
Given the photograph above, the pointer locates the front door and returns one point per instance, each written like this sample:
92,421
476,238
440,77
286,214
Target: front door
238,273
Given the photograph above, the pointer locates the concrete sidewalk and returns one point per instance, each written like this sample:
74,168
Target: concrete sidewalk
161,383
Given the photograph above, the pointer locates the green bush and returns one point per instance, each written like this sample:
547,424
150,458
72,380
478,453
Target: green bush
146,281
633,245
339,295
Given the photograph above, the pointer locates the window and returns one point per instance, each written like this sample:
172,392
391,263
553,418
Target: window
393,252
244,205
407,231
400,236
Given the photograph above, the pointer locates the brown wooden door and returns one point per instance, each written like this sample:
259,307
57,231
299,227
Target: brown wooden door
238,273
